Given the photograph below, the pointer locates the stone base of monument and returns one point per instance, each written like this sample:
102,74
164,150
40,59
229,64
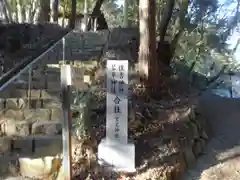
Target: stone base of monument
118,157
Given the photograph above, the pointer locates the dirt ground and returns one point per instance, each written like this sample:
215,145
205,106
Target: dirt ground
159,131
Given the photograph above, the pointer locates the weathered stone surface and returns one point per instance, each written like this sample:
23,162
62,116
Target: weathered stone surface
2,113
36,167
23,145
50,104
46,127
37,114
53,85
16,103
53,77
53,94
54,129
8,166
48,146
16,128
2,102
22,103
56,114
14,114
35,93
5,144
34,103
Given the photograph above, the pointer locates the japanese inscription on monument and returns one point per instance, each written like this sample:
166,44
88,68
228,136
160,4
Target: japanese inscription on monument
117,102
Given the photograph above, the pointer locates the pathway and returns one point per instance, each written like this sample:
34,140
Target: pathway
30,132
27,133
221,160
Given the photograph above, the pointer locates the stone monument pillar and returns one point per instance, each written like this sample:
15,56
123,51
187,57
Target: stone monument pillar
115,151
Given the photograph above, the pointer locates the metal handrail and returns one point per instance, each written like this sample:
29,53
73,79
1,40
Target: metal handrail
22,67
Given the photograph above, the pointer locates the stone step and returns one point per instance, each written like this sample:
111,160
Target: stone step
32,157
33,103
17,152
37,93
49,114
35,84
23,93
31,126
31,146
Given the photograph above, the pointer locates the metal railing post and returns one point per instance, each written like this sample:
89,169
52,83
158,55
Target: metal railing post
66,125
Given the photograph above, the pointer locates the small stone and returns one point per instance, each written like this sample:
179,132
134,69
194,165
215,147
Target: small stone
56,114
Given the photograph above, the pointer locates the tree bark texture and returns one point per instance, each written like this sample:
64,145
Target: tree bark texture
148,66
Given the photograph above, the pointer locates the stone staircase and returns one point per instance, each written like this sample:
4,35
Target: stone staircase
30,106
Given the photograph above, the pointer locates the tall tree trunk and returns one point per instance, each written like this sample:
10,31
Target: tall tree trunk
54,10
7,11
85,15
165,20
23,11
96,13
34,11
148,66
44,15
4,11
19,13
73,17
166,50
125,13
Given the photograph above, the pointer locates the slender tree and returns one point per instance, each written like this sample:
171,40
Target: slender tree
73,17
85,15
54,9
